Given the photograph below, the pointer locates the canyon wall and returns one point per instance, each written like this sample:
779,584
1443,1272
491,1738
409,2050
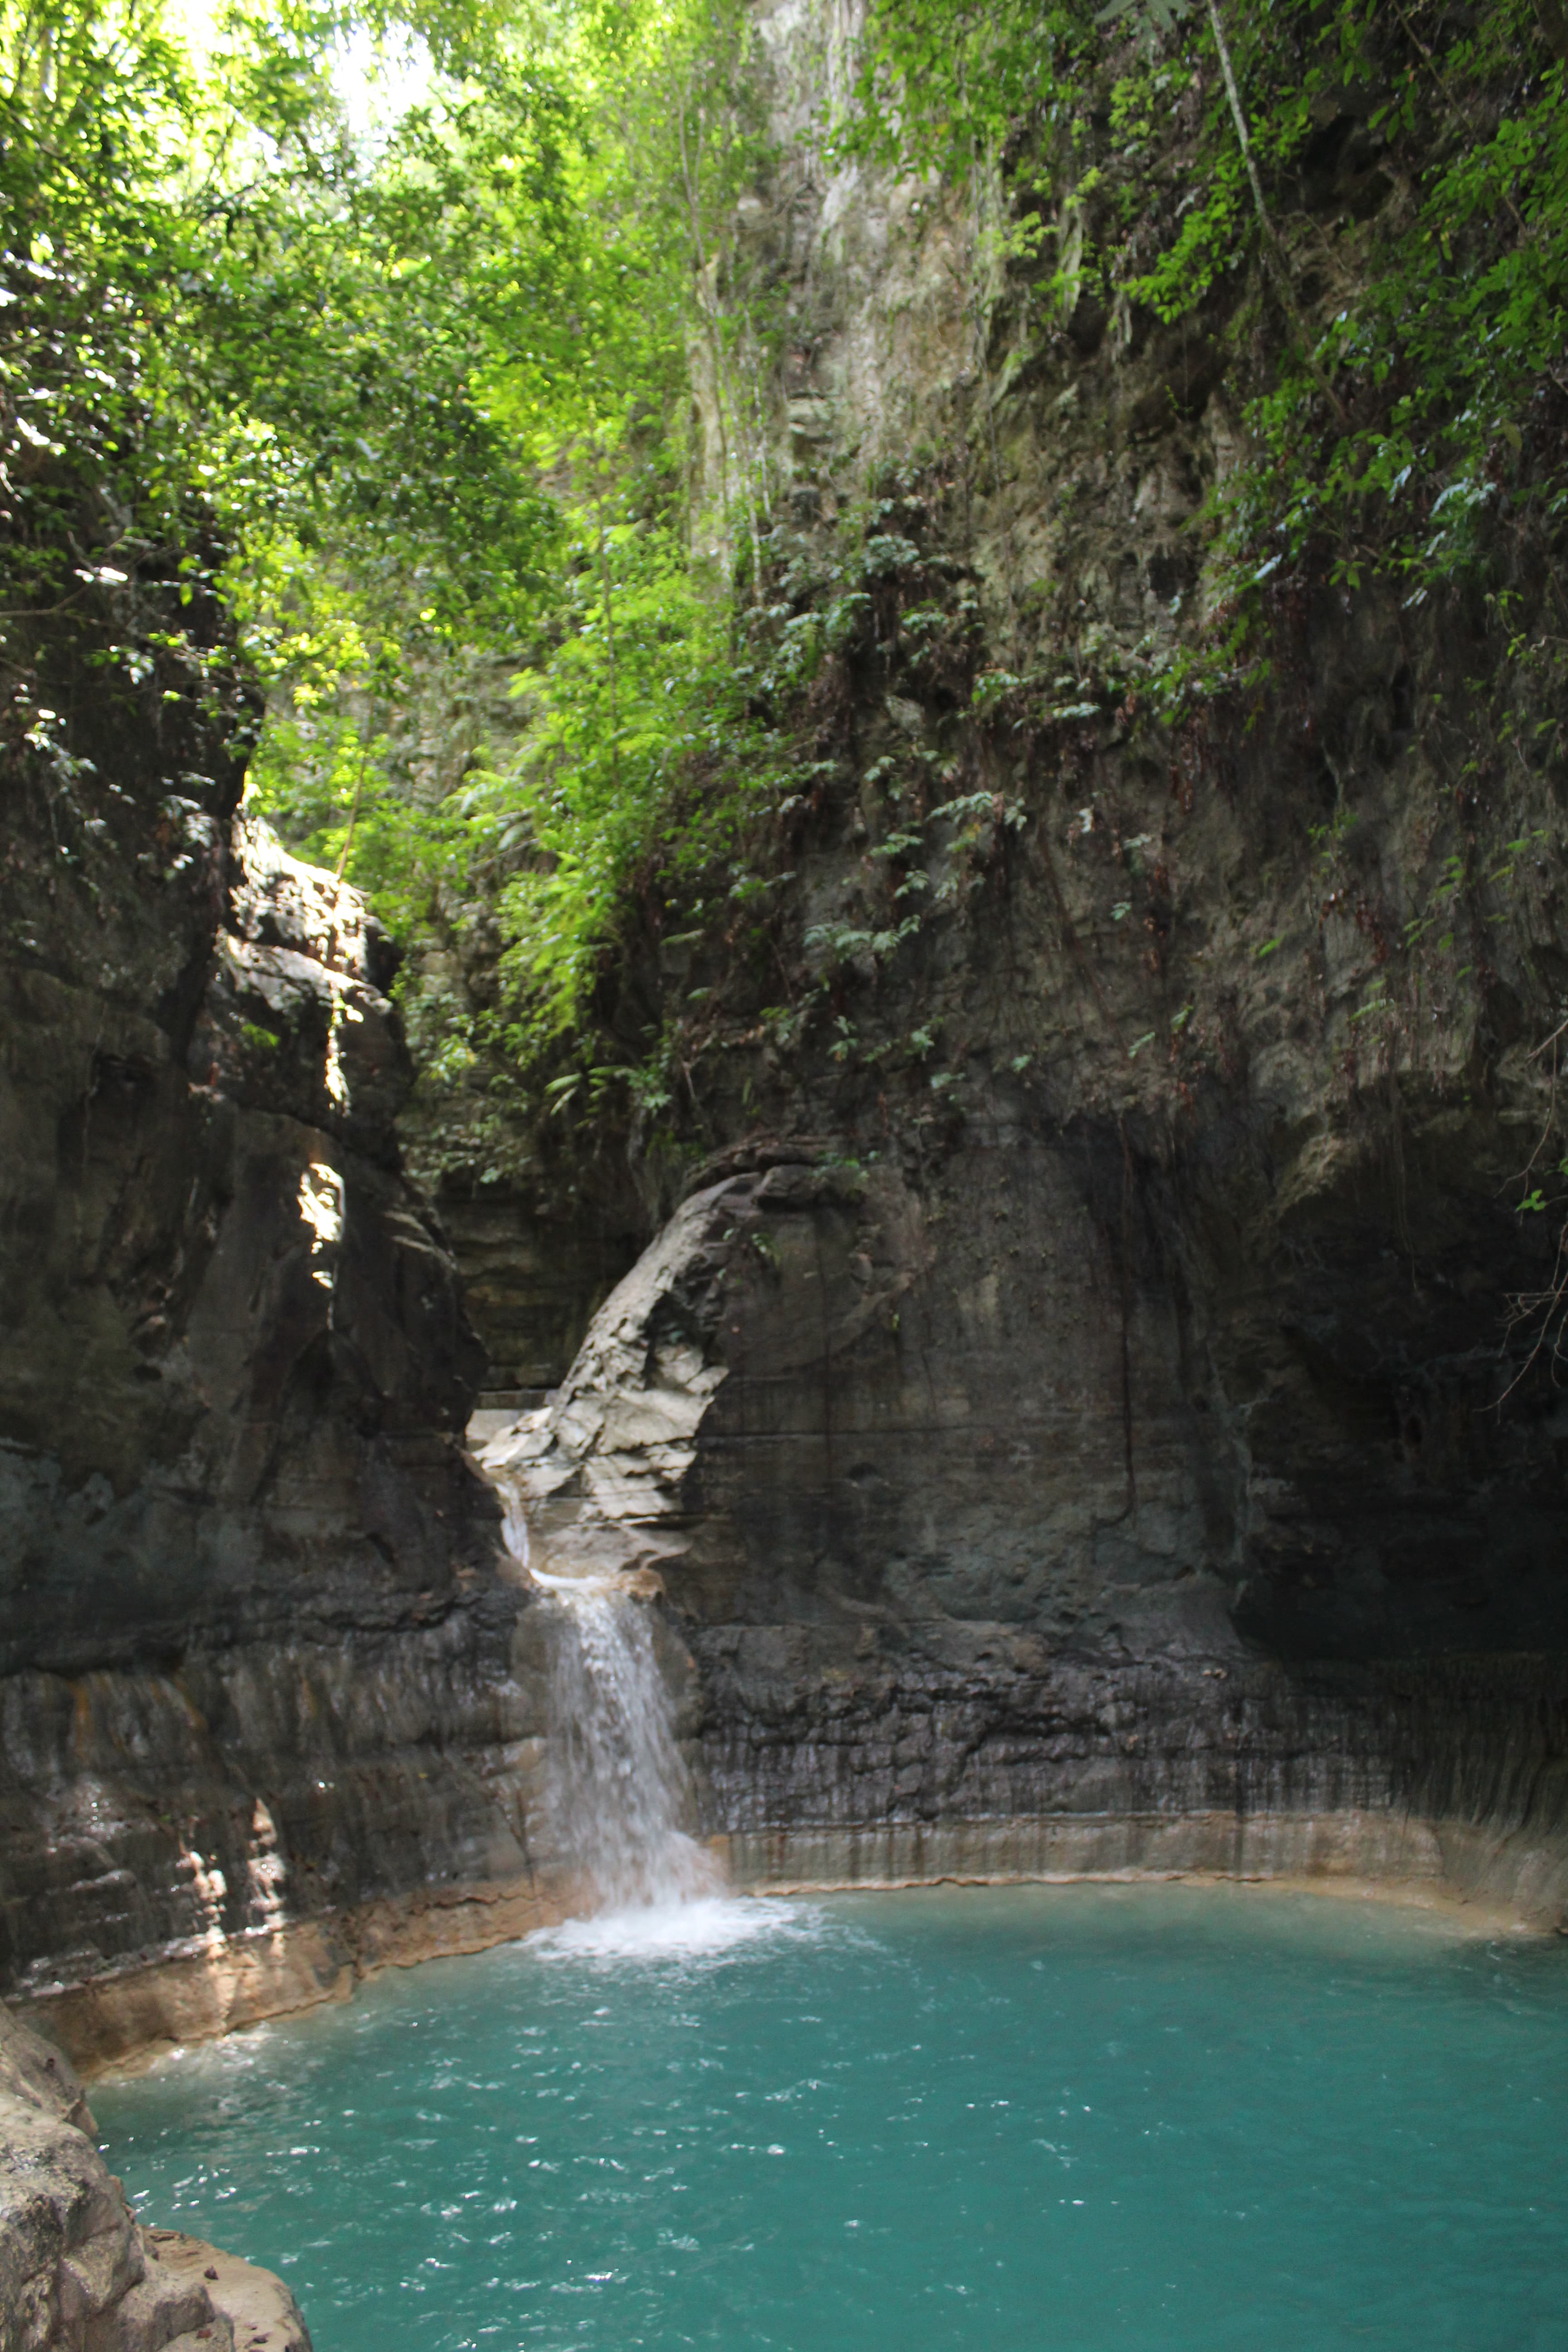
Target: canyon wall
1069,1400
258,1669
1089,1412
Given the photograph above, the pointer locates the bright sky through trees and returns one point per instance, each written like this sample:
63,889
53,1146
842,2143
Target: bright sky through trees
474,420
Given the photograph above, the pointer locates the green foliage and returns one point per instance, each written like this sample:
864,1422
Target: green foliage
469,423
942,83
635,697
843,944
422,403
1401,413
213,295
1455,325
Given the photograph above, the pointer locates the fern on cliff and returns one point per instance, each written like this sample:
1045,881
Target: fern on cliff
1411,176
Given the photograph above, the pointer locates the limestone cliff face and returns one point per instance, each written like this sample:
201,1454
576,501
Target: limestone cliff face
256,1666
1071,1414
1081,1391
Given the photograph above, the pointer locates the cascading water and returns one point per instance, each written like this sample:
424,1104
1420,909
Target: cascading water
620,1789
625,1788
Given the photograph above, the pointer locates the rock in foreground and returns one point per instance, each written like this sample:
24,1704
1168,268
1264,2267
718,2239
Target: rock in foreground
77,2274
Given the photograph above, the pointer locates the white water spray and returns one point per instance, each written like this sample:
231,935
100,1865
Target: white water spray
620,1788
623,1786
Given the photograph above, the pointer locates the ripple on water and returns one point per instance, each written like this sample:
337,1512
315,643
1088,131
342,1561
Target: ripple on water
1075,2119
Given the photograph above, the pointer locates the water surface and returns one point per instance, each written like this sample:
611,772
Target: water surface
1078,2119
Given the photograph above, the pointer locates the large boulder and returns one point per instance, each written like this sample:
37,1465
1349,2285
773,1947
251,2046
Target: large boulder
78,2272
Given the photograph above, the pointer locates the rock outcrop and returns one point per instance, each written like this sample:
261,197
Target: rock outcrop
258,2305
78,2272
259,1681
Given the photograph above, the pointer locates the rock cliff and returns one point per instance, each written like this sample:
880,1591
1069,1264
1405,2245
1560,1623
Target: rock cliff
1098,1406
256,1666
1072,1411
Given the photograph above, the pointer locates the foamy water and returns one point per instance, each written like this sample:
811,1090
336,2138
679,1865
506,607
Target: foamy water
621,1795
671,1931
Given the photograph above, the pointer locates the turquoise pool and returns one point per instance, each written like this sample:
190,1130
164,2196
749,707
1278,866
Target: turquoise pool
1073,2119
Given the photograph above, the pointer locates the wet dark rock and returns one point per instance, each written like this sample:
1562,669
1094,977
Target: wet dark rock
956,1543
256,1662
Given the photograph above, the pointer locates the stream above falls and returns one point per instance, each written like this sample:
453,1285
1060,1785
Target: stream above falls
1089,2119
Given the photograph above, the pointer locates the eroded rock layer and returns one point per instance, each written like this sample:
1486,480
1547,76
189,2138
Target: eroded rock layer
1098,1406
256,1667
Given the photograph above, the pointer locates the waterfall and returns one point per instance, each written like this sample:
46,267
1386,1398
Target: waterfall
623,1789
620,1789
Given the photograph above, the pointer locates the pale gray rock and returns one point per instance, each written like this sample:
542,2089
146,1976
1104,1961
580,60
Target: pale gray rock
259,2306
77,2274
595,1479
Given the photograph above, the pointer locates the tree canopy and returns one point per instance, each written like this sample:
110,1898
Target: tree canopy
470,418
424,394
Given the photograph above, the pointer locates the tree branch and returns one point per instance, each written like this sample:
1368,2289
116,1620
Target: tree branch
1273,251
